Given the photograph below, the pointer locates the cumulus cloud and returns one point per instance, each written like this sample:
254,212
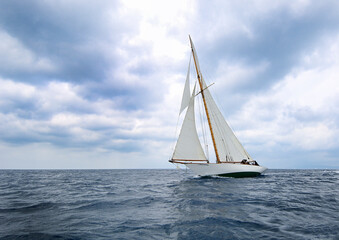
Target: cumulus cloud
299,111
18,58
57,116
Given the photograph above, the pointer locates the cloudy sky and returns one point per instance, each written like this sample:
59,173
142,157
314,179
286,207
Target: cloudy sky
97,84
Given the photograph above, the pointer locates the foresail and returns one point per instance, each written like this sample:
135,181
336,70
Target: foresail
188,146
186,94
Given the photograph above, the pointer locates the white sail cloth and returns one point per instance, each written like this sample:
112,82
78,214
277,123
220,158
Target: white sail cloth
186,94
188,146
228,146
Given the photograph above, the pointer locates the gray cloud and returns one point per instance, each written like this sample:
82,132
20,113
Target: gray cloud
62,33
80,39
279,37
89,76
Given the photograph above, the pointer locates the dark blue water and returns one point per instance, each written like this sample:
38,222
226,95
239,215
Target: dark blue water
167,204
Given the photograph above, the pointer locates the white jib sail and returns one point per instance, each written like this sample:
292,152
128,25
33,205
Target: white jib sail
186,94
188,146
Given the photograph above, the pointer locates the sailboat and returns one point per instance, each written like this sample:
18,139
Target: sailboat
232,160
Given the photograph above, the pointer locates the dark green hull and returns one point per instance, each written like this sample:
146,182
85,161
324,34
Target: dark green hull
240,174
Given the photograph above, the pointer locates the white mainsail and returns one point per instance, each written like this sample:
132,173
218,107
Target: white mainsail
188,146
228,145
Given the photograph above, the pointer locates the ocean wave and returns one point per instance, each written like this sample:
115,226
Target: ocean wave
143,204
40,236
29,209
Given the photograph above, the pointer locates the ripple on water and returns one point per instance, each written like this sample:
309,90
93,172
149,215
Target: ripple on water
167,204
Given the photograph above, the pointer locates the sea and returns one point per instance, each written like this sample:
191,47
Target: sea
168,204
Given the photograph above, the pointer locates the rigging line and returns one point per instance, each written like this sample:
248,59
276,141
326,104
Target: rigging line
213,115
228,155
209,119
204,122
203,127
206,145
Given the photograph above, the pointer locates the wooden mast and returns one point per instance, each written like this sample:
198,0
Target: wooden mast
203,98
